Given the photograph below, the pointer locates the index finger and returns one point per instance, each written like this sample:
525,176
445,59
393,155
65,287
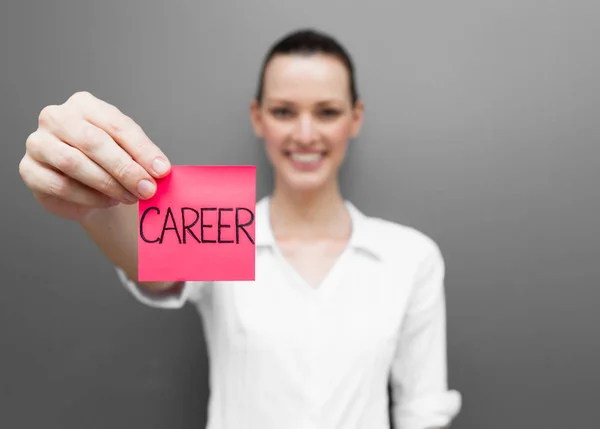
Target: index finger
124,131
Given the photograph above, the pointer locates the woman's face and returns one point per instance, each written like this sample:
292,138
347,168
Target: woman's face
306,119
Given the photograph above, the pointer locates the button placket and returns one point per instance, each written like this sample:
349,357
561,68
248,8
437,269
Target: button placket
311,345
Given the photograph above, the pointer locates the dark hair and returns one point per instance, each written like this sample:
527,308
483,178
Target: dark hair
308,41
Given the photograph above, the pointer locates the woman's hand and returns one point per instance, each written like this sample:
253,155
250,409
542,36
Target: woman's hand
86,155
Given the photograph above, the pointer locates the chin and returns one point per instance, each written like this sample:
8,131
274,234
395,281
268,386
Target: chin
304,184
304,181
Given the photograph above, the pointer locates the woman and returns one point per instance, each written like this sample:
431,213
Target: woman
343,303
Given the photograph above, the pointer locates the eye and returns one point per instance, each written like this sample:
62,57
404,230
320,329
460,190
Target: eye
281,112
329,113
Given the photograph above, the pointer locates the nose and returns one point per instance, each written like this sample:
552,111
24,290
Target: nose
306,132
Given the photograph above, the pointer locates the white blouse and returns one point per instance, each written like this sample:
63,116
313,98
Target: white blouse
284,354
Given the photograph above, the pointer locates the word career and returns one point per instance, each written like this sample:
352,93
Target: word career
209,225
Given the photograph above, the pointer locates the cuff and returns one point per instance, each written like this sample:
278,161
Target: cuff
157,300
433,411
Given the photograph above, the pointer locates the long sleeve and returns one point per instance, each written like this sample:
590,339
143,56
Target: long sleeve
191,291
420,395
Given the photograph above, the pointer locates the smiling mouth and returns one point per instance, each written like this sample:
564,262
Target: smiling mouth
306,161
306,158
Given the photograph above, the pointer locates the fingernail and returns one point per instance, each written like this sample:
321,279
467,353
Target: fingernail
160,166
112,202
145,188
129,198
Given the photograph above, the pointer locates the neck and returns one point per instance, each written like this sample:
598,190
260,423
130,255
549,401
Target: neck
309,214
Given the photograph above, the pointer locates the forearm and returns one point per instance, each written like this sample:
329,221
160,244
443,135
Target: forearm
114,231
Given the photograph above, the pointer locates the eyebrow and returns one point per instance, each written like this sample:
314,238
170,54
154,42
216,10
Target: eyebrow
320,103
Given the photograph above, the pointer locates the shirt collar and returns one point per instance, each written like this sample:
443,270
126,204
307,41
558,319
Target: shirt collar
360,239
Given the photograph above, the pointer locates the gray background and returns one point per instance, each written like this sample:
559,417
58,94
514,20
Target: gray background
481,130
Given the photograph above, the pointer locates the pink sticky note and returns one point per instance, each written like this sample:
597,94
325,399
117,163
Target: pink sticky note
199,225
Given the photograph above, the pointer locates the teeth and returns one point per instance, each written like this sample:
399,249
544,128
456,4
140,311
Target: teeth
306,157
